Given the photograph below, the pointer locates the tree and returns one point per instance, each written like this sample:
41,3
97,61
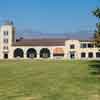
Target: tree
96,13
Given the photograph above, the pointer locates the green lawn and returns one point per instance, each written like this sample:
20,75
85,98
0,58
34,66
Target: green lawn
48,80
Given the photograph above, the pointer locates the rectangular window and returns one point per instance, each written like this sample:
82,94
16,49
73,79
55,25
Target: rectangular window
72,46
5,40
83,45
98,55
5,47
90,45
83,55
5,33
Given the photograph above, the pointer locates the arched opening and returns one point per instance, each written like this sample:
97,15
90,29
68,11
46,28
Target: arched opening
44,53
18,53
31,53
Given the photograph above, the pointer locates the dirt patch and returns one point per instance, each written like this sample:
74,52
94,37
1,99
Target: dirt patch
94,97
27,98
30,98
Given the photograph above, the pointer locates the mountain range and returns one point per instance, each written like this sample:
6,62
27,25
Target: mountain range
83,34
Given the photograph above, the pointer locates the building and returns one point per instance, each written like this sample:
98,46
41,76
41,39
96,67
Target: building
11,48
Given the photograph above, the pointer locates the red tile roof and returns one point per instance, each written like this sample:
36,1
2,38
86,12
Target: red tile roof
40,42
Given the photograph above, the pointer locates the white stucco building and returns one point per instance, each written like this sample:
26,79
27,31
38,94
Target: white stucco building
12,48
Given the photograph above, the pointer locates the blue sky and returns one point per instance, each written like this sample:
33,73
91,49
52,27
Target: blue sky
50,16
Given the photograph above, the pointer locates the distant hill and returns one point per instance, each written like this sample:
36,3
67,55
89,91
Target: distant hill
84,34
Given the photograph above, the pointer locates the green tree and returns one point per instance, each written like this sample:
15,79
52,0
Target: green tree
96,13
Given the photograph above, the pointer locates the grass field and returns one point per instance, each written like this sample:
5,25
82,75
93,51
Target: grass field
48,80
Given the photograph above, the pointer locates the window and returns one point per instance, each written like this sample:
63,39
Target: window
98,55
5,33
90,55
83,45
72,46
90,45
83,55
5,40
5,47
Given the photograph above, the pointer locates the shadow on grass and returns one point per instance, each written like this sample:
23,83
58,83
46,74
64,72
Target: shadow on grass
94,67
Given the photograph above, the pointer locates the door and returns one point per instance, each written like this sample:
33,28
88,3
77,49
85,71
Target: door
72,55
5,56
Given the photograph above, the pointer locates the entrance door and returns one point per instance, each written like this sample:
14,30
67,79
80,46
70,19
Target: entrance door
5,56
72,55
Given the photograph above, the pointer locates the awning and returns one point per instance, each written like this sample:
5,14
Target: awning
58,51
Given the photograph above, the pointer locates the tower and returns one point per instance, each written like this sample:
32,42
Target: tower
7,37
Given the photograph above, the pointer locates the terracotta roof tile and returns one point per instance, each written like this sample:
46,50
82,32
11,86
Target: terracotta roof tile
40,42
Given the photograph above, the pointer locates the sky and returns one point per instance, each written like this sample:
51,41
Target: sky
50,16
